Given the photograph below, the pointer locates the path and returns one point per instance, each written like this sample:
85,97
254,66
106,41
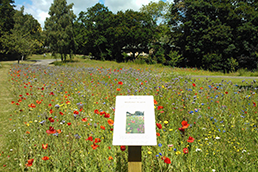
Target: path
45,61
235,77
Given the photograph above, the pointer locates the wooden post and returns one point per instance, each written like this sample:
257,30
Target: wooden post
134,158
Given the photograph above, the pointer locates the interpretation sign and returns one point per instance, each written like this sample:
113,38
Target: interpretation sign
134,123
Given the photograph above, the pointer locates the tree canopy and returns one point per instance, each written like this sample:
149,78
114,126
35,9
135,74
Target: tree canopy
59,28
208,34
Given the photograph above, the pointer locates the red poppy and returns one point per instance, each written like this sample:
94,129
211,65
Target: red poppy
190,139
194,84
97,140
110,158
157,134
226,92
167,160
51,119
94,146
59,131
181,129
44,146
160,107
185,150
61,113
122,148
184,124
69,123
32,105
45,158
75,112
30,161
102,127
159,125
155,102
118,89
96,111
107,115
102,113
51,130
110,122
84,119
51,93
90,138
120,83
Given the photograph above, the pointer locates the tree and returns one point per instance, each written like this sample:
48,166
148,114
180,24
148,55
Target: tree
213,34
158,11
136,31
93,30
25,37
6,23
59,29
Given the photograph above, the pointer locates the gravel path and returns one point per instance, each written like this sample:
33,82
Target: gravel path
237,77
45,61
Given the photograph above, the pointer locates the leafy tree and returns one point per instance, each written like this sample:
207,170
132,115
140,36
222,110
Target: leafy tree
136,31
6,23
92,32
25,37
158,11
209,31
59,29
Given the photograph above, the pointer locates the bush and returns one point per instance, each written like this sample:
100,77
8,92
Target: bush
174,58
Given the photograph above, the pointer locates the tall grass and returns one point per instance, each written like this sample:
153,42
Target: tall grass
66,107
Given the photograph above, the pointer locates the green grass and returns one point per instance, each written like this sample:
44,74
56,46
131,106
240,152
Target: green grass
40,56
6,97
223,118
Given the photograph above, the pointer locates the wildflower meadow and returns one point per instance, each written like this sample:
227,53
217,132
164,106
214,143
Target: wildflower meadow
62,120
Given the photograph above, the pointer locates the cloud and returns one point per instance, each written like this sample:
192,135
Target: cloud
118,5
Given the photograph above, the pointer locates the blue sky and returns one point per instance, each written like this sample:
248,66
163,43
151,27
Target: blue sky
39,8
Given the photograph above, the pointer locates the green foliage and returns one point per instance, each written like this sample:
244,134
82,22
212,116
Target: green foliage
158,10
59,28
25,37
224,132
174,58
202,28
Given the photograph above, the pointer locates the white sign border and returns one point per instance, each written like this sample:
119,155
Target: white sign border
134,103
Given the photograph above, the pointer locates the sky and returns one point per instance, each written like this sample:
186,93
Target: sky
39,8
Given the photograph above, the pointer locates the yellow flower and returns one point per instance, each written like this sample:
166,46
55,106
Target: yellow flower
178,153
28,124
170,129
165,122
149,152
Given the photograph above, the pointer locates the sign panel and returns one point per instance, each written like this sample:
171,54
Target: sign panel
134,123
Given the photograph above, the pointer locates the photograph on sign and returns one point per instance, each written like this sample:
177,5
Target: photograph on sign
134,122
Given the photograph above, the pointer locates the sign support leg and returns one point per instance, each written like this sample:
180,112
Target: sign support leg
134,158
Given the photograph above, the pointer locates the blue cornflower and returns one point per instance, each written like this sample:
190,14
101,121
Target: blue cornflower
175,149
159,144
160,154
